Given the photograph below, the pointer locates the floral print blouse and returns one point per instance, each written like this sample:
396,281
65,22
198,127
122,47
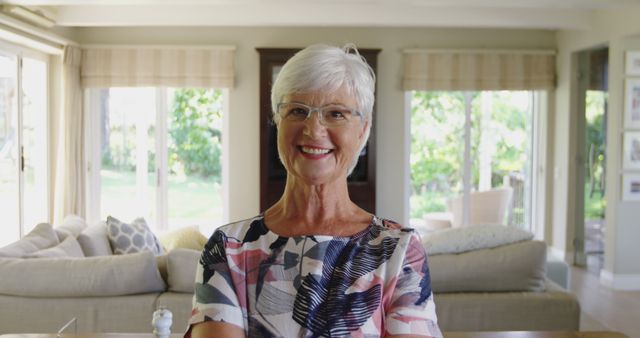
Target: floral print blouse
371,284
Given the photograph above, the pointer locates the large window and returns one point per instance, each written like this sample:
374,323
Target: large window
23,142
156,153
498,129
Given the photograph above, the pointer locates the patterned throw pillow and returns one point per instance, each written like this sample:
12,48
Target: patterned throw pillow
130,238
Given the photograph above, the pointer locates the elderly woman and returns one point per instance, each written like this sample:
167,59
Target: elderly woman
315,264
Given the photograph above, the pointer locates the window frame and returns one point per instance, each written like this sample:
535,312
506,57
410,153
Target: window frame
538,172
93,158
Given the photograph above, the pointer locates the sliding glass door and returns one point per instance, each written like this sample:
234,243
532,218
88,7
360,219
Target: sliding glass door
23,142
9,149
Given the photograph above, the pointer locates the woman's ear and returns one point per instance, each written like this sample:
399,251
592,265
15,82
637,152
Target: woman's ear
365,125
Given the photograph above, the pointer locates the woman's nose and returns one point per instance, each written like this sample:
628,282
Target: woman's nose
313,125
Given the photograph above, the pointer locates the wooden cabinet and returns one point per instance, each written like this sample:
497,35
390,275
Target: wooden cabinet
362,189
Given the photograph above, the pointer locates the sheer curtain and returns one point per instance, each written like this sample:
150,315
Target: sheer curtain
70,173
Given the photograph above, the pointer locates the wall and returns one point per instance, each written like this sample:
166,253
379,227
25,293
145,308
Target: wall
392,130
615,29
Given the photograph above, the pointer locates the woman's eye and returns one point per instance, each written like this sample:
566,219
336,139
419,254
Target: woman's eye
298,112
337,115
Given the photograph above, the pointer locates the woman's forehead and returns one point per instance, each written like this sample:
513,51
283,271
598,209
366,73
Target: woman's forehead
322,97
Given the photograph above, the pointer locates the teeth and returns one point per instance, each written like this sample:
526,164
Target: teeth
315,151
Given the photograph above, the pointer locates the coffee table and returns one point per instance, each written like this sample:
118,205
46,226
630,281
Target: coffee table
486,334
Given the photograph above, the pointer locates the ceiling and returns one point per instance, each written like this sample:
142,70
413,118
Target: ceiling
528,14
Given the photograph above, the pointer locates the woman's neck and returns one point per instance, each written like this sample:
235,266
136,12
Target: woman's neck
316,209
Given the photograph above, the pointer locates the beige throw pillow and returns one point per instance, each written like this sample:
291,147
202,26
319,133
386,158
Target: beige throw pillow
69,247
81,277
41,237
186,238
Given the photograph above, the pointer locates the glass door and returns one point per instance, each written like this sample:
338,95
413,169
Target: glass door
23,142
34,142
591,126
9,150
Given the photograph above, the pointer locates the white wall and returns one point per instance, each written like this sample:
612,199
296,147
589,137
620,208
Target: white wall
615,29
392,132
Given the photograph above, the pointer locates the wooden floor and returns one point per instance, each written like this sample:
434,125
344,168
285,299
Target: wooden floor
604,308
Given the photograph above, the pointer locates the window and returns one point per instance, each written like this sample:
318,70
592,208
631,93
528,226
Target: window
500,151
23,141
156,152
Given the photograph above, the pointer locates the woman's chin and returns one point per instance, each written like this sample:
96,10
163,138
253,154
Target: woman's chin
316,177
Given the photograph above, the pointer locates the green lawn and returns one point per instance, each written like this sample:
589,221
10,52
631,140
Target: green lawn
192,200
594,206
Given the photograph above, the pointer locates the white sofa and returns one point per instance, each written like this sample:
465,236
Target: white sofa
498,288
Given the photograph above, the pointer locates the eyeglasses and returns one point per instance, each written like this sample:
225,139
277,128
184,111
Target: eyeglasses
331,115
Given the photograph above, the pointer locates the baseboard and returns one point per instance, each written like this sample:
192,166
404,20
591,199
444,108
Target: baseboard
620,281
560,254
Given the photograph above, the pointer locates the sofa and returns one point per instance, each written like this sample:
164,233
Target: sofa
488,287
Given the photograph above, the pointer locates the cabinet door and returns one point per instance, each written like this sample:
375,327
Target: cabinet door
273,176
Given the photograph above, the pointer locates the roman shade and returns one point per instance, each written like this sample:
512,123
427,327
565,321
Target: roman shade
154,66
432,70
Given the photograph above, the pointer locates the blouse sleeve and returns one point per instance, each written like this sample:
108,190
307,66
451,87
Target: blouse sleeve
215,297
412,309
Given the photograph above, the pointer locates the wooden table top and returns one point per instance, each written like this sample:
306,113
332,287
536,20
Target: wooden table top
486,334
536,334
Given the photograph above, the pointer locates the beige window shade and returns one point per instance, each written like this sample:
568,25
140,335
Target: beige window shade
478,70
158,66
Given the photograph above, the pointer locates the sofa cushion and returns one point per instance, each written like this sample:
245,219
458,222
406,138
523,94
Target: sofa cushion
130,238
187,238
473,237
95,241
514,267
161,260
118,314
71,225
181,269
41,237
81,277
69,247
552,310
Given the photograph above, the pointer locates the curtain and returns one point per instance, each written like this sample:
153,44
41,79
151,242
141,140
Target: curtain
70,174
478,70
211,67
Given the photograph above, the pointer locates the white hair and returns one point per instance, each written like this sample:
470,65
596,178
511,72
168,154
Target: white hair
326,68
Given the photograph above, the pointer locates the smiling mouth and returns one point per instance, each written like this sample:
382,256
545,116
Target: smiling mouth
315,151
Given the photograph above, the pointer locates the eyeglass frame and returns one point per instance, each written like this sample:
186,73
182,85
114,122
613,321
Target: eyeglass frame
321,112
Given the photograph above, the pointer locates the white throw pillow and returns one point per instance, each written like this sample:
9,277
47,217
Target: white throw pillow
114,275
71,225
457,240
130,238
67,248
41,237
95,241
